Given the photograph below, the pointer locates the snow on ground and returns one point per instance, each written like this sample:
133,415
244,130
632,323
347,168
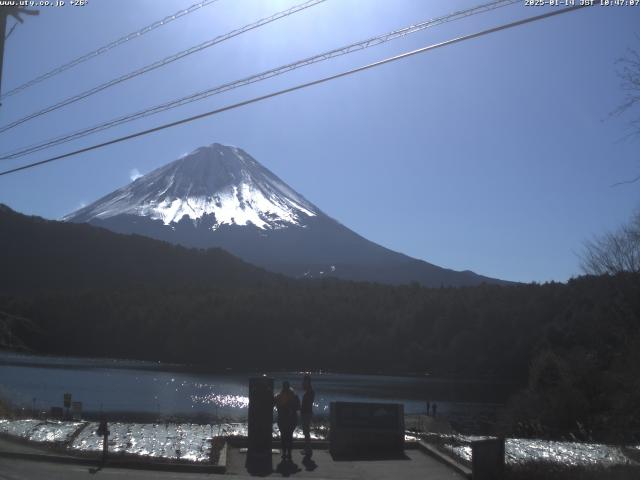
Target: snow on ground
520,451
54,431
241,430
18,428
192,442
40,431
176,441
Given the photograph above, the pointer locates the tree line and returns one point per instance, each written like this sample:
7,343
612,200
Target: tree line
573,348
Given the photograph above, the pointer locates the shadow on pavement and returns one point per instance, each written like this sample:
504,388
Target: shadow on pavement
259,467
309,464
369,457
287,467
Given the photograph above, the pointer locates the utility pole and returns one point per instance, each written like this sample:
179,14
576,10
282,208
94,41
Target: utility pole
5,12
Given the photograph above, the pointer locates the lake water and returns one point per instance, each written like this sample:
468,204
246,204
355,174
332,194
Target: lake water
152,390
155,393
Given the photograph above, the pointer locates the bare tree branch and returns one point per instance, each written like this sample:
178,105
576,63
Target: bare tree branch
614,252
629,74
624,182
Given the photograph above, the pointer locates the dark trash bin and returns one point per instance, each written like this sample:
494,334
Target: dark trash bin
260,424
487,459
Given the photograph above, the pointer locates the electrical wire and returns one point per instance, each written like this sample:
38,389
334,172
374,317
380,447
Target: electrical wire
106,48
301,86
13,27
370,42
162,63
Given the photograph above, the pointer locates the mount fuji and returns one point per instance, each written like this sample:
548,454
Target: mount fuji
220,196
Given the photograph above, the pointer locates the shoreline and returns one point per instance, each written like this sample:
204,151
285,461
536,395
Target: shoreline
73,361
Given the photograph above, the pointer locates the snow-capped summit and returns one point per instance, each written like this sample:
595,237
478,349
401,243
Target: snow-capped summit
217,180
219,196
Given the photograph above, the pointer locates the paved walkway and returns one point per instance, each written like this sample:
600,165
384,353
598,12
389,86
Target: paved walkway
15,469
416,465
12,446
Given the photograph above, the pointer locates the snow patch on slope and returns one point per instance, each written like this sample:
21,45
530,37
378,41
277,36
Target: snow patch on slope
239,205
217,180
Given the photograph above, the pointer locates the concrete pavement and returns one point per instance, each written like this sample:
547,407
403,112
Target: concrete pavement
416,465
14,446
17,469
412,468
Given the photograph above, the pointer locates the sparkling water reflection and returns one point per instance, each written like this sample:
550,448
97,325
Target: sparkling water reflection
109,386
218,400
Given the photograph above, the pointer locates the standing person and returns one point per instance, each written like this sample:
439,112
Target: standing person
287,404
306,412
433,409
428,405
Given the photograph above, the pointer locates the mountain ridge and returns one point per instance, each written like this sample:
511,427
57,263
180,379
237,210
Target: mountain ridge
220,196
220,180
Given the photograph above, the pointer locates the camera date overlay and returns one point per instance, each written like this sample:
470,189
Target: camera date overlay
43,3
581,3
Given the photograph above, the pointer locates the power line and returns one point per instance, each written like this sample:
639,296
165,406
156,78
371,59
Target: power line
107,47
300,86
370,42
163,62
13,27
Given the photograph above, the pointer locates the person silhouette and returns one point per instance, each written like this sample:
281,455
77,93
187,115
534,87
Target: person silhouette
287,404
306,413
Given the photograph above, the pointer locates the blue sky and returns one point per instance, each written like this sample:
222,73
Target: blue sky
495,155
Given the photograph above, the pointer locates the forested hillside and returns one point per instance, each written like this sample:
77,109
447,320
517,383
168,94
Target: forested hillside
572,347
44,255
